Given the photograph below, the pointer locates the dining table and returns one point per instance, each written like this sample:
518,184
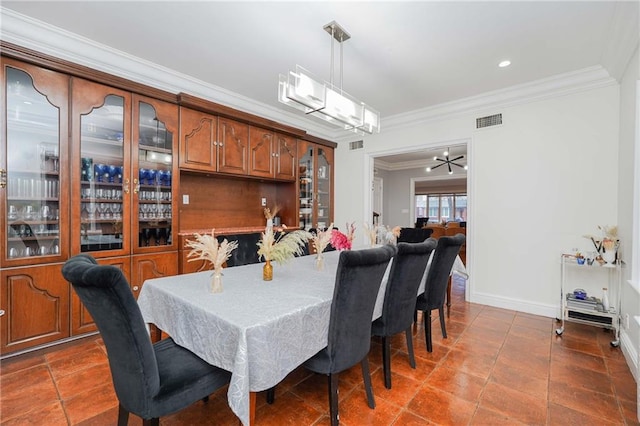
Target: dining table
258,330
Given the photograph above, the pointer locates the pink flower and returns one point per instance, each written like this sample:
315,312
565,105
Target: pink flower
339,240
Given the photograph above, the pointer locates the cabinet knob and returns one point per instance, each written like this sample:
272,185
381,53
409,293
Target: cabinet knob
215,143
219,143
136,288
136,188
1,312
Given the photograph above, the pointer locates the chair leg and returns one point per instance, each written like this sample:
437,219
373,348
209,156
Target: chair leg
333,398
386,361
412,358
427,329
366,376
271,395
449,297
442,326
151,422
123,416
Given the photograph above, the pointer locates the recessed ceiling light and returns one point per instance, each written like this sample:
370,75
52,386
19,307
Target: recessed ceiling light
504,64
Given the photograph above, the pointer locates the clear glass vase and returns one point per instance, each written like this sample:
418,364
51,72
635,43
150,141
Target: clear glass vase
216,281
320,261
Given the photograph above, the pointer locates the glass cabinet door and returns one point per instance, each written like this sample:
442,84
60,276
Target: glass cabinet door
305,190
100,184
34,201
323,187
155,127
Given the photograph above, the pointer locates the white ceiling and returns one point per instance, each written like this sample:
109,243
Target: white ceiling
402,57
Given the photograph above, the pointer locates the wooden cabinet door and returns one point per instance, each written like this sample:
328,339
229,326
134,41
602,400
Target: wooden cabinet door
81,320
286,160
153,160
34,154
233,147
261,152
35,301
101,180
144,267
198,140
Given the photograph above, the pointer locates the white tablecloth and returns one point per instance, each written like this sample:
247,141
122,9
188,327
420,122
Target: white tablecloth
259,330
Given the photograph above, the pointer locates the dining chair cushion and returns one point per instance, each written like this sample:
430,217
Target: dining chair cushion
150,380
358,280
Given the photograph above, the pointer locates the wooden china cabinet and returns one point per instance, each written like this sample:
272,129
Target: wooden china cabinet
315,185
93,163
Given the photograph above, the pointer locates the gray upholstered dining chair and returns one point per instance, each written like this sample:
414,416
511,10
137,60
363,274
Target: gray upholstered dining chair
150,380
358,280
435,288
407,270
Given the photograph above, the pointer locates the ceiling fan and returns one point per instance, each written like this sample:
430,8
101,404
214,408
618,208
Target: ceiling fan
448,161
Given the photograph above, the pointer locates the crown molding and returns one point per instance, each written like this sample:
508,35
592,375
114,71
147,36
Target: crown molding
624,38
39,36
550,87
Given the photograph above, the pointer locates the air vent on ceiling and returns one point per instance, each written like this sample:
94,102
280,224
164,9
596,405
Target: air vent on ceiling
356,145
490,120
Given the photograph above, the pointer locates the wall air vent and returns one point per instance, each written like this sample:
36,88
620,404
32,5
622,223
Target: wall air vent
356,145
490,120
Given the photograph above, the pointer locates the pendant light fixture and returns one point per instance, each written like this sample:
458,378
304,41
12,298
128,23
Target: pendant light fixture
302,90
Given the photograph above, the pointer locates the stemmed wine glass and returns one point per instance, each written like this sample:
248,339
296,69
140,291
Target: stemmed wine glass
113,172
151,176
143,174
91,209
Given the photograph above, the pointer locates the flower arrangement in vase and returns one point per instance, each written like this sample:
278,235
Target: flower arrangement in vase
388,235
340,241
320,240
280,248
269,215
372,233
206,247
607,245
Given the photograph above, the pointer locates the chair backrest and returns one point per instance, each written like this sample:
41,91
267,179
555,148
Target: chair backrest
440,269
358,280
105,292
407,270
414,235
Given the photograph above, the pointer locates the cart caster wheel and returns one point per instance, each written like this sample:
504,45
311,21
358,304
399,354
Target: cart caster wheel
559,331
615,343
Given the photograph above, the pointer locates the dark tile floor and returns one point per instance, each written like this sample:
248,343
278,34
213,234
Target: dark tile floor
496,367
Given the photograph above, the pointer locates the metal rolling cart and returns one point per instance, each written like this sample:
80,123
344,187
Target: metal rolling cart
579,307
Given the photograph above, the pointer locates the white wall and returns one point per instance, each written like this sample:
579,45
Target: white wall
523,214
627,187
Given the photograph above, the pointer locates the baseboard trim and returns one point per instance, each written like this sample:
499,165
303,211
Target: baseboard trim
630,354
545,310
